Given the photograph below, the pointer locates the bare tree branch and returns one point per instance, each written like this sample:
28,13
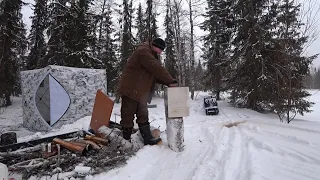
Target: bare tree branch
309,13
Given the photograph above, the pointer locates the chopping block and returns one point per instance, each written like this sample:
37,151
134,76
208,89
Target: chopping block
176,101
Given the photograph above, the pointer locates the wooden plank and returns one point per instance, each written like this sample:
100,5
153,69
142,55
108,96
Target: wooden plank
102,110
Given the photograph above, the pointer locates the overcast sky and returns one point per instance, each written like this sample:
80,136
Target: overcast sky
313,49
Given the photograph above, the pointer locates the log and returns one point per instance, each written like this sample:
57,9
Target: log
87,147
98,140
94,145
71,147
175,134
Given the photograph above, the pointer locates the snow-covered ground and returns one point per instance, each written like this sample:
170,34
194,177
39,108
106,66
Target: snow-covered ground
259,147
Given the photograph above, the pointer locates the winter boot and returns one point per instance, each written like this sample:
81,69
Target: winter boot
126,133
147,136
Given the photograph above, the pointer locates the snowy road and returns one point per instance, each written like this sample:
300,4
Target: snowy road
258,148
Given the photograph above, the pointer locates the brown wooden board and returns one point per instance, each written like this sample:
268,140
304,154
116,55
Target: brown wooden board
102,110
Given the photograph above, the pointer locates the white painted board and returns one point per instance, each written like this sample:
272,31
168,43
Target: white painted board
177,102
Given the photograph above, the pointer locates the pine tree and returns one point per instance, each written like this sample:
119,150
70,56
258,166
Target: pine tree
36,38
217,43
11,29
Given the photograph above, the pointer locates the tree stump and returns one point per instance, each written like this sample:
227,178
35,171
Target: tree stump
175,134
176,107
8,138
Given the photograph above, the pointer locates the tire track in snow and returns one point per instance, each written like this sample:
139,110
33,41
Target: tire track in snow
282,158
287,127
283,134
199,149
238,164
230,159
285,145
212,166
205,169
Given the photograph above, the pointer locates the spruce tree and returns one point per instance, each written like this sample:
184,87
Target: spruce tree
108,54
125,38
127,41
294,66
21,50
11,40
78,36
254,24
199,77
217,43
36,37
142,33
154,26
56,53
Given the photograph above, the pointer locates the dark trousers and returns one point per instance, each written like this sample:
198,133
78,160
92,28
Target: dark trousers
130,108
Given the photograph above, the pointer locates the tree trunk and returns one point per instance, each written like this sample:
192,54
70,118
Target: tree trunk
218,95
8,101
177,35
192,77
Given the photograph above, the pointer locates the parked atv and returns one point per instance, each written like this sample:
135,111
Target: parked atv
211,105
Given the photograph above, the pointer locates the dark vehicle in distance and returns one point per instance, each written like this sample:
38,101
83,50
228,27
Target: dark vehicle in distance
211,105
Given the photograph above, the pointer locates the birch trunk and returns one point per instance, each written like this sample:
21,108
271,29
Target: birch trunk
192,58
175,131
177,30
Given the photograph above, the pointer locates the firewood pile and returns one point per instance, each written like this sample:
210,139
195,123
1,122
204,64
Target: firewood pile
97,152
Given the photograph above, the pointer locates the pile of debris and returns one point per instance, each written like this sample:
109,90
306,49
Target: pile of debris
80,152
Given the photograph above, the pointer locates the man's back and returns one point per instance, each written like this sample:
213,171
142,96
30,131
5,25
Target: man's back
139,73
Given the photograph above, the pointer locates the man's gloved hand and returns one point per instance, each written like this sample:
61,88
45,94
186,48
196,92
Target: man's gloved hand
174,84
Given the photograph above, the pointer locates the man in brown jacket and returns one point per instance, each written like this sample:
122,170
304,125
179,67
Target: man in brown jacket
142,71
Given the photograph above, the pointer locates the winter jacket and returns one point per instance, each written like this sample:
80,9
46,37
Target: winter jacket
140,73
